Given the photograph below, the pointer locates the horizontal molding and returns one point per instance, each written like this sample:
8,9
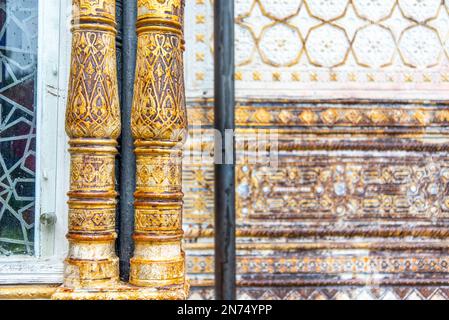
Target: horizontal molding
363,232
28,292
31,272
412,117
327,283
304,101
289,140
338,282
361,145
330,264
373,246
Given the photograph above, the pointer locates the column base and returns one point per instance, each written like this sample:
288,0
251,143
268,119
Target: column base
123,291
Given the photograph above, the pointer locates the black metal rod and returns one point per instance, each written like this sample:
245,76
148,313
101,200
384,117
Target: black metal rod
225,249
128,163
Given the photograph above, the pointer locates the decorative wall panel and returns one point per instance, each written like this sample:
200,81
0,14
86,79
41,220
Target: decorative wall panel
356,204
333,293
18,65
348,211
328,49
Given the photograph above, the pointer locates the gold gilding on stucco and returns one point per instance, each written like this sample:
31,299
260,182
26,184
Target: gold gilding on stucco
93,125
159,125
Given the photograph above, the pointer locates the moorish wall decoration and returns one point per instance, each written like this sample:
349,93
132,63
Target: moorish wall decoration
93,126
18,111
159,125
328,49
357,203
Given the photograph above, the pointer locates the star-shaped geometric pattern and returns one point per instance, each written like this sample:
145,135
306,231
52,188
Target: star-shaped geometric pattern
18,65
305,47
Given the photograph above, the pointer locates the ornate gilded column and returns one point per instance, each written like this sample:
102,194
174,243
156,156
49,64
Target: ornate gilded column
93,125
159,125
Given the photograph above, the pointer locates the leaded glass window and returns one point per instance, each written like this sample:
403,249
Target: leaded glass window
18,71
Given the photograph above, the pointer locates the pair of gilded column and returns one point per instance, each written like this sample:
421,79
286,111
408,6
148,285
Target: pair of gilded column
159,125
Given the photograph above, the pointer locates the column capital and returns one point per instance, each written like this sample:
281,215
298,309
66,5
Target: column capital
154,13
99,11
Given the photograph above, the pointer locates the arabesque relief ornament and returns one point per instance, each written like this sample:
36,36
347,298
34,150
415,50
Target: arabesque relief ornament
159,124
93,125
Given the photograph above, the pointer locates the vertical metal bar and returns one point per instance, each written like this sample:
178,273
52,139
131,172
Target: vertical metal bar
128,162
225,249
119,49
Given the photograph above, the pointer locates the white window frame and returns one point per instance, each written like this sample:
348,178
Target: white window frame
52,158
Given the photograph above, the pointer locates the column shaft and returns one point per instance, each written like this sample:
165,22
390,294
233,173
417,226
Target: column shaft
159,125
93,125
